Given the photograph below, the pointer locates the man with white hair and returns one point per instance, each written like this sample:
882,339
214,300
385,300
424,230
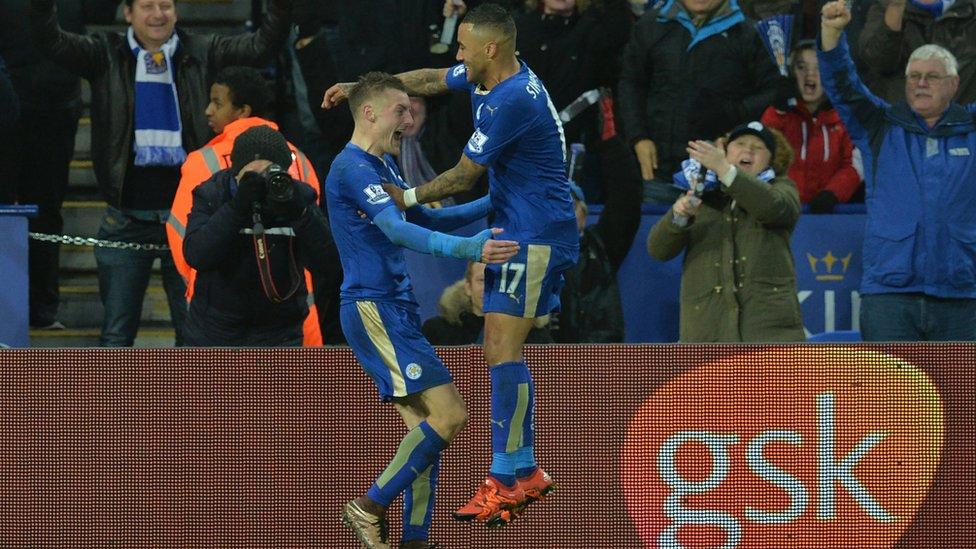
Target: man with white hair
919,280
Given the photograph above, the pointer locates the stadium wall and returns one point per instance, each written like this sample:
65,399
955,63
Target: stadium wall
679,446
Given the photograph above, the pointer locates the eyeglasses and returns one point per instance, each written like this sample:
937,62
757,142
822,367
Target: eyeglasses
932,77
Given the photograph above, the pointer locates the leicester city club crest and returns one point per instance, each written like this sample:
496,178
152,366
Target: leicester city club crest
155,62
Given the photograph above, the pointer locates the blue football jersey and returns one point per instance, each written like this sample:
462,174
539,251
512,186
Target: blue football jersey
373,268
519,138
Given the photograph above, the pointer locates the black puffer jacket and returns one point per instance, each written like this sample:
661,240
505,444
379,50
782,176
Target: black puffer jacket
576,53
670,90
229,304
105,60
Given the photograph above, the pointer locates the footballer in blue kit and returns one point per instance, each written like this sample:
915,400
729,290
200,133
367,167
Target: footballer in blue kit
378,312
519,137
518,141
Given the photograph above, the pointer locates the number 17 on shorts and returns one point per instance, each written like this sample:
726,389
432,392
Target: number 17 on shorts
528,285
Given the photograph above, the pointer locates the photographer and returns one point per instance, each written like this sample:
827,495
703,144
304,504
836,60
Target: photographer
251,231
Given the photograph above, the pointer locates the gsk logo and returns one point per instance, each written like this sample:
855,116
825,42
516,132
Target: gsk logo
798,448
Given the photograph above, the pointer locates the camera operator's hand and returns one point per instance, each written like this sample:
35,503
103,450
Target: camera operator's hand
251,187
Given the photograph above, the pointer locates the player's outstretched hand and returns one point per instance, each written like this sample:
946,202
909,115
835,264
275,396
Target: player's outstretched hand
496,251
336,94
396,193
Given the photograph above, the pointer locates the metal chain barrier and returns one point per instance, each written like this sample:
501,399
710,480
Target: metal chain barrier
83,241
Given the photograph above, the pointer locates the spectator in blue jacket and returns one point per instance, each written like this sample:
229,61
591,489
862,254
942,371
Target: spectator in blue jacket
919,280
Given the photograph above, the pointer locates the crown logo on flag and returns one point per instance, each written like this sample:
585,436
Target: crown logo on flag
826,269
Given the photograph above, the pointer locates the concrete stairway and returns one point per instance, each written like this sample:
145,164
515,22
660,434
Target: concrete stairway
81,308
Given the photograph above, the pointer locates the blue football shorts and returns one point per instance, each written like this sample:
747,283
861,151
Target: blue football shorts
528,285
386,339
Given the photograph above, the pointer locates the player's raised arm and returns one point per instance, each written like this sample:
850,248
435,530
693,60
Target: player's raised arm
425,82
461,177
336,94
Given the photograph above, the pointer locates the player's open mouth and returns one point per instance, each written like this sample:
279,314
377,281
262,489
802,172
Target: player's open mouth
745,163
809,87
397,135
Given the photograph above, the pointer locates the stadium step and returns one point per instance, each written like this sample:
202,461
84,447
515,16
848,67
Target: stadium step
81,306
81,218
151,334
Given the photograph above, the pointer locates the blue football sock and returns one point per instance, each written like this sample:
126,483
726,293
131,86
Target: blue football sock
510,417
525,462
418,504
503,468
418,450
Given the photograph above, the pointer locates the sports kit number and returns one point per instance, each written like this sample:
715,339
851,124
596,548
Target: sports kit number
518,270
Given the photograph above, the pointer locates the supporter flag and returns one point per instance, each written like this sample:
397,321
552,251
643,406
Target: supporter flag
776,34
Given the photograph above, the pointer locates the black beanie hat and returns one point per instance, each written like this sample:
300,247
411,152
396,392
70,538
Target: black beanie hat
259,143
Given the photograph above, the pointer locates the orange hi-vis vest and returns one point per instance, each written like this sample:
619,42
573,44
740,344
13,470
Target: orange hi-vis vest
200,166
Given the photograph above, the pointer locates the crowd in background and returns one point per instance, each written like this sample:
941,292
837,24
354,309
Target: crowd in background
633,82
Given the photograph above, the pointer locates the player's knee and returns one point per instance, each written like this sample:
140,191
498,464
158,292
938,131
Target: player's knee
498,351
452,418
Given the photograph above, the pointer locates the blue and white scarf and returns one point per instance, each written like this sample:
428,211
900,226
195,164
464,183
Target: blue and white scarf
159,140
691,170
